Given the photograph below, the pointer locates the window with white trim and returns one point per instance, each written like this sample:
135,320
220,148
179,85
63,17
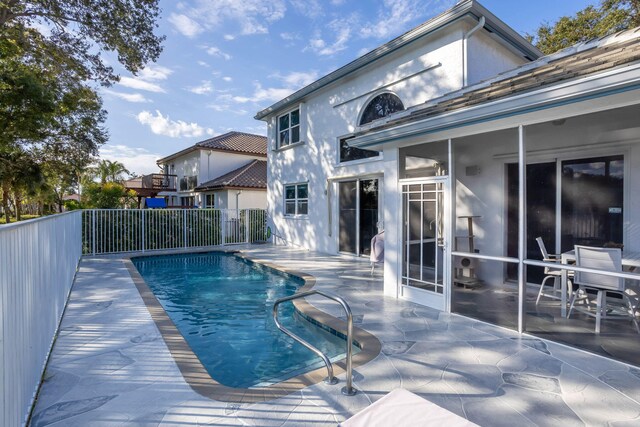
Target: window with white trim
289,128
296,199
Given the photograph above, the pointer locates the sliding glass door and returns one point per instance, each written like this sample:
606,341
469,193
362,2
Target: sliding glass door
589,208
358,216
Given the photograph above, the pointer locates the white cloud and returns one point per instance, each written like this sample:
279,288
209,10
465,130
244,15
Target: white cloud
147,79
185,25
264,94
204,88
203,64
161,125
250,16
129,97
136,160
297,79
229,37
308,8
363,51
155,73
340,30
397,14
226,108
214,51
289,36
134,83
291,82
227,79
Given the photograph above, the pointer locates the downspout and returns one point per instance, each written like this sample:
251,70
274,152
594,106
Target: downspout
465,40
238,193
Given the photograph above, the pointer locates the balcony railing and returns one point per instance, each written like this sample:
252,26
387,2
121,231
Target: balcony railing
154,181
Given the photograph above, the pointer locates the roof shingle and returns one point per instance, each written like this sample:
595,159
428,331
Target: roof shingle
251,175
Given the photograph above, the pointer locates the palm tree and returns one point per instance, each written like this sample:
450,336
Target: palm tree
109,171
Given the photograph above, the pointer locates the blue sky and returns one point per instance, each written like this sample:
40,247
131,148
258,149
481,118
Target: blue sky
224,60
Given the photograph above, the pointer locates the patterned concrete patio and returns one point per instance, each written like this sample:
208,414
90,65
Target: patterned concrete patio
110,366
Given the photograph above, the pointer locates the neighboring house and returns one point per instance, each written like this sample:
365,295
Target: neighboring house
461,122
221,172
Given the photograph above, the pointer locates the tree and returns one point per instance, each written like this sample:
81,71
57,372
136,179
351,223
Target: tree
19,175
609,17
83,29
109,171
110,195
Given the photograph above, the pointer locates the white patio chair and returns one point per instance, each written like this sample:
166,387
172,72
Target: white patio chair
551,273
609,259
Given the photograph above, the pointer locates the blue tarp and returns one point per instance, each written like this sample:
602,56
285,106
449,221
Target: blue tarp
153,203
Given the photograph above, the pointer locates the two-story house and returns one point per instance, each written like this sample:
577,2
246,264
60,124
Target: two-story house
226,172
465,145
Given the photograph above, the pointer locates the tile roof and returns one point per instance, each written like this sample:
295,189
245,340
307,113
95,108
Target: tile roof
251,175
238,142
578,61
235,142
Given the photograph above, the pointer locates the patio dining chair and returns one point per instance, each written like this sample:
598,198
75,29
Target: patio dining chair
551,273
608,259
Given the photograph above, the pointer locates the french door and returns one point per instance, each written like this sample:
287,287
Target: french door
425,261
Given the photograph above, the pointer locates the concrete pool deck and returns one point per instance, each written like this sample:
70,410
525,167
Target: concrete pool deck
110,365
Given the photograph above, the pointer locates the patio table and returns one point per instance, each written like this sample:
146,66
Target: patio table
629,259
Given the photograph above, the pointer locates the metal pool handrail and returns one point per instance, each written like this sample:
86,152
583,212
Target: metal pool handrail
348,390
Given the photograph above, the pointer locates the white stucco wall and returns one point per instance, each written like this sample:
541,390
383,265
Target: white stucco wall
247,199
333,112
214,163
486,57
425,69
208,165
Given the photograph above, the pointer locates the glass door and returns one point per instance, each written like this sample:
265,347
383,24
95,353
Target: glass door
358,218
425,273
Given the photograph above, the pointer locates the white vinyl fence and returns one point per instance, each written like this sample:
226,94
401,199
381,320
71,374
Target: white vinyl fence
107,231
38,261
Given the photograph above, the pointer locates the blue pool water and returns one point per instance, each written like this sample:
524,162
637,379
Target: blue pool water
222,306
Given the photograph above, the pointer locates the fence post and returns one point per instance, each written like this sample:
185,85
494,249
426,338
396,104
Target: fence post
93,231
223,226
143,231
184,227
246,225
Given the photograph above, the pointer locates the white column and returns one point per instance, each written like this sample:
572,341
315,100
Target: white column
522,229
392,215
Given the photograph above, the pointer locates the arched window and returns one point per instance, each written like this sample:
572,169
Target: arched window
381,106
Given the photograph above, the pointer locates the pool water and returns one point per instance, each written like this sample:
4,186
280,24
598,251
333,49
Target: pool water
222,306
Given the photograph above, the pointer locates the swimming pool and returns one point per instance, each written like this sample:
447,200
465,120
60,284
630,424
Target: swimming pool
221,304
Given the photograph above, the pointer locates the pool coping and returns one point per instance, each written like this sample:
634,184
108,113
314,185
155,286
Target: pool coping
197,376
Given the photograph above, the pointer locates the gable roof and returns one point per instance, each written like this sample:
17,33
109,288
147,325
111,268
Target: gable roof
252,175
460,10
579,61
234,142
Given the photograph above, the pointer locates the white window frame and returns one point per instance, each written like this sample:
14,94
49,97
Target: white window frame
296,200
278,144
206,200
